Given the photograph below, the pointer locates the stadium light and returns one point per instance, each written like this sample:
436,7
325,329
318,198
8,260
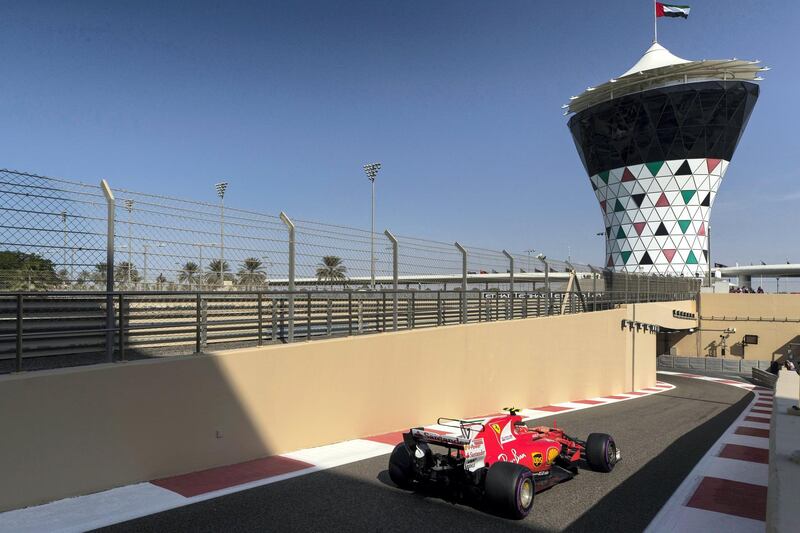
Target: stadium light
371,169
221,187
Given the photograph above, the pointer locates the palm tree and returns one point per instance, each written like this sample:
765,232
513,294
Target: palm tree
331,269
126,274
98,275
252,273
217,275
189,273
84,278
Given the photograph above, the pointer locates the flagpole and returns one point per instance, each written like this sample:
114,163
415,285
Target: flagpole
655,23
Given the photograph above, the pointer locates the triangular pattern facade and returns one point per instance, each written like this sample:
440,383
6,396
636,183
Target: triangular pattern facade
656,214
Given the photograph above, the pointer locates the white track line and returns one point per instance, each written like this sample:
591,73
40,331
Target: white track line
676,516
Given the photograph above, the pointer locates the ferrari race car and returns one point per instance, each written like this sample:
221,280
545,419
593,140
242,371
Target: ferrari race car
499,462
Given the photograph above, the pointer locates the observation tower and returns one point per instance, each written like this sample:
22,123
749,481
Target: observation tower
656,142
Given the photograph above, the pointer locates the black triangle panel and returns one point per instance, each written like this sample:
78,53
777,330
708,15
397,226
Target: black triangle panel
638,198
662,230
684,169
645,260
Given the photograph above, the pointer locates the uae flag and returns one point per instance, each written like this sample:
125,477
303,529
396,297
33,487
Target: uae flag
671,10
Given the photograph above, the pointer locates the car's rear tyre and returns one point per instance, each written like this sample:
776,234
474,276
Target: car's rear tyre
601,452
509,489
401,466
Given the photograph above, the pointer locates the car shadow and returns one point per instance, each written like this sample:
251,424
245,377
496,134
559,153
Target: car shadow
627,507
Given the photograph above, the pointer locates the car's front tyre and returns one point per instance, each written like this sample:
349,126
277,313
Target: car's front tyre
509,489
601,452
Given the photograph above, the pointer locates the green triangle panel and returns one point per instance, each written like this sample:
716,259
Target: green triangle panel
604,176
684,224
626,256
654,167
687,195
620,233
618,207
690,259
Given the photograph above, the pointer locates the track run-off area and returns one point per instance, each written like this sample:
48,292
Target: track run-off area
694,448
662,437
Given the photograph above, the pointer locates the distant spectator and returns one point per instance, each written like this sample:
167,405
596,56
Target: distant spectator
774,367
760,290
789,365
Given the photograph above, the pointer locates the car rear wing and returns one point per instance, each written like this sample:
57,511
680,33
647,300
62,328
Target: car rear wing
469,428
450,441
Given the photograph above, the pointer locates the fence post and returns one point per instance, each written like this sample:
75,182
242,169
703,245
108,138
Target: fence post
510,279
20,299
395,275
290,226
109,270
594,287
549,303
329,322
121,330
197,333
260,319
463,282
274,320
308,316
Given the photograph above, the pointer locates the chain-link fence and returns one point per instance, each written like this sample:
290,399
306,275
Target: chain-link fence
55,230
186,274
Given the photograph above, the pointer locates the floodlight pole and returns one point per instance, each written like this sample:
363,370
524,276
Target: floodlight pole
395,275
221,187
371,169
129,209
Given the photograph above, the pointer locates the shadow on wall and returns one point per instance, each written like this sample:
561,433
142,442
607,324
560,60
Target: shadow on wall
782,353
119,424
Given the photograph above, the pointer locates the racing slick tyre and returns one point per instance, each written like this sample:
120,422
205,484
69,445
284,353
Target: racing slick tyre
401,466
601,452
509,489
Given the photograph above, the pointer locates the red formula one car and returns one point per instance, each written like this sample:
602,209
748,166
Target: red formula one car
499,461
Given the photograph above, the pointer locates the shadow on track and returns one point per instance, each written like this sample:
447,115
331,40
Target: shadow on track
627,507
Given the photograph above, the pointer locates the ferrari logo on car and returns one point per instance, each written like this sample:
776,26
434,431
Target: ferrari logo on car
537,459
496,428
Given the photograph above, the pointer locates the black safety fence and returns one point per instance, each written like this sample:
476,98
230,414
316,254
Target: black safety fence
54,329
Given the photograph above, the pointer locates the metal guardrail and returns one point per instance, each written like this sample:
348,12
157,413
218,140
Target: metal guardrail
146,324
712,364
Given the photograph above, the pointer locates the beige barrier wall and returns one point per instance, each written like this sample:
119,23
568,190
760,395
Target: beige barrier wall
775,318
75,431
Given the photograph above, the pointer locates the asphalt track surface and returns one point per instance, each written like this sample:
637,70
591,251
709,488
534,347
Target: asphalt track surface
661,438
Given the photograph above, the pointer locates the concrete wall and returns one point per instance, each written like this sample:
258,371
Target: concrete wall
784,440
74,431
775,318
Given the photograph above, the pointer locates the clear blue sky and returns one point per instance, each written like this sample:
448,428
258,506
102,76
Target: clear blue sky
460,101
